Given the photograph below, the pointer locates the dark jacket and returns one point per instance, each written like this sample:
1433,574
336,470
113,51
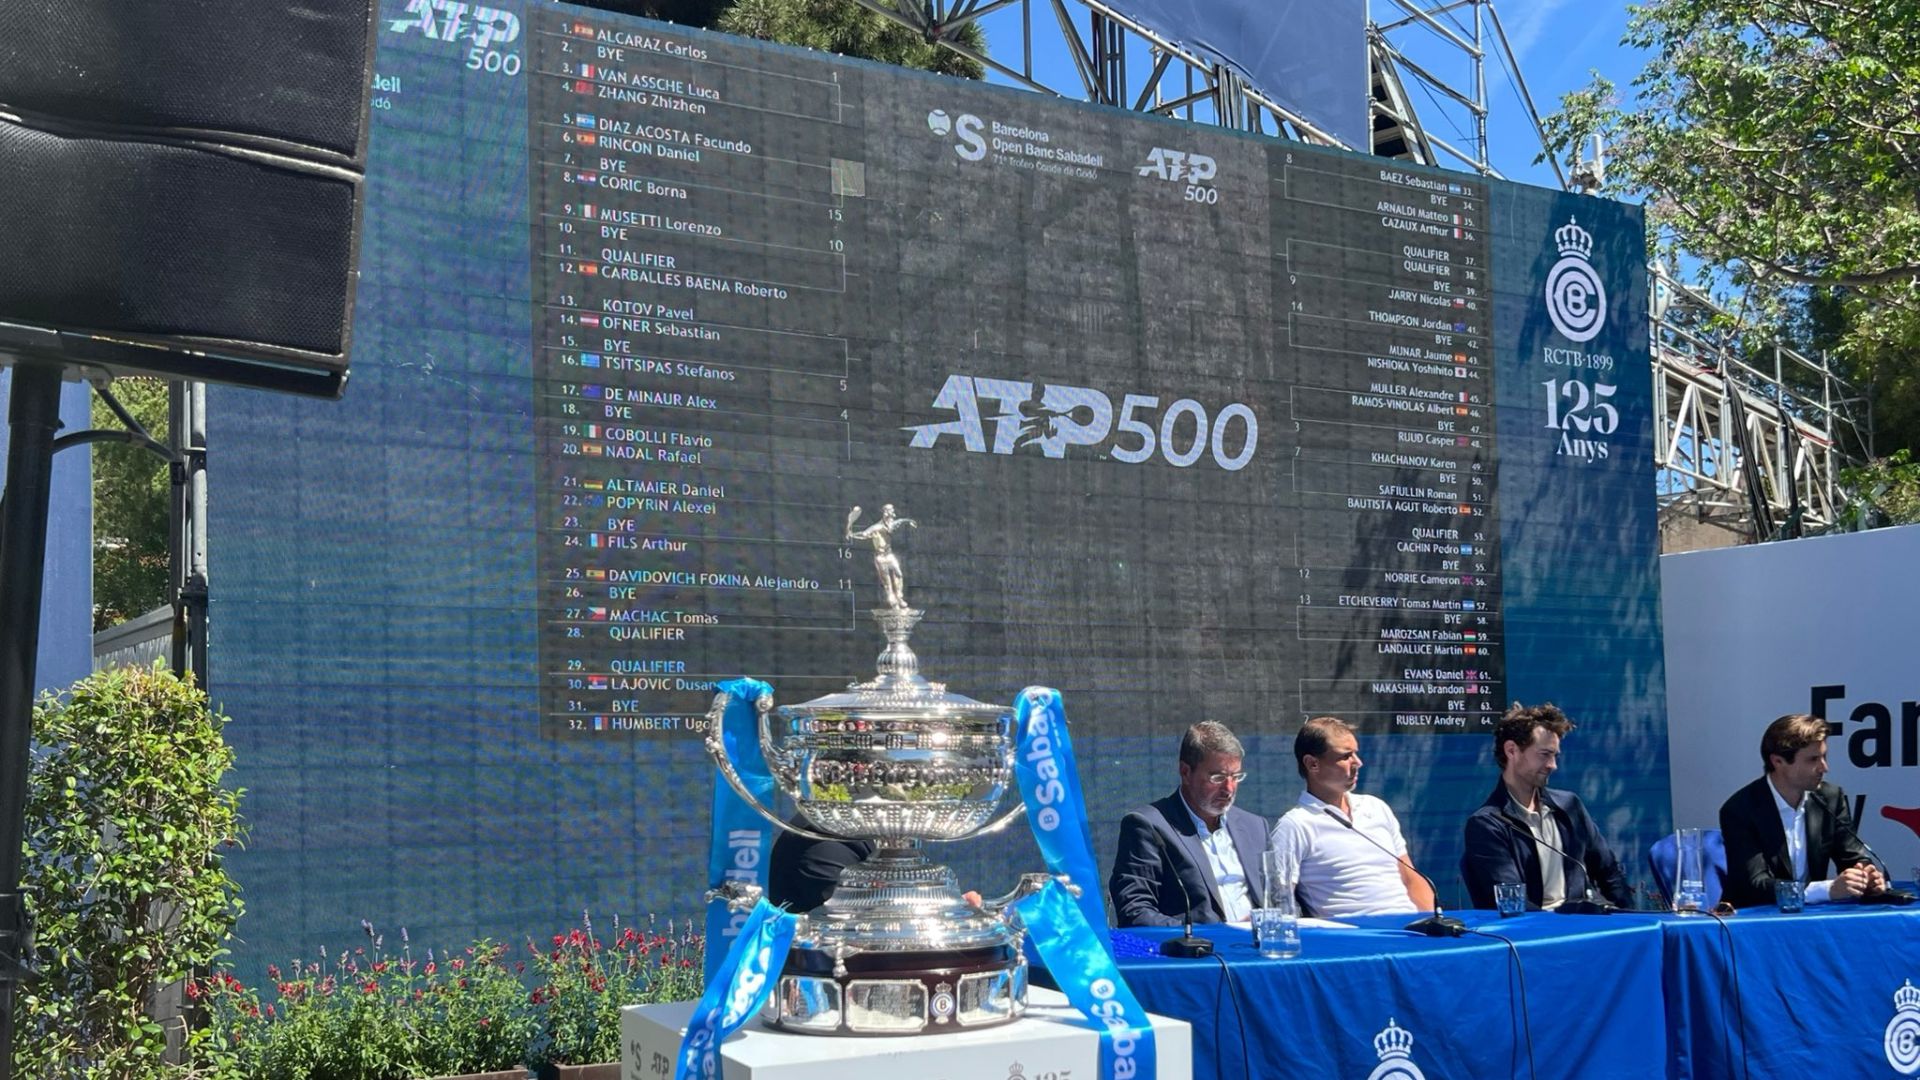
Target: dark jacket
803,872
1158,842
1500,847
1757,843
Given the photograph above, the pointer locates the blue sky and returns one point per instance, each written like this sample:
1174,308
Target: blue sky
1557,44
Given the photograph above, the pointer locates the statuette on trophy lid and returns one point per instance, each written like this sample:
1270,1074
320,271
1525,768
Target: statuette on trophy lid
898,761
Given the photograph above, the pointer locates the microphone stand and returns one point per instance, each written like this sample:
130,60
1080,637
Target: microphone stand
1572,905
1437,923
1188,944
1886,893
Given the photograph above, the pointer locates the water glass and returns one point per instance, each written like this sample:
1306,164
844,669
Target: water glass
1278,929
1690,879
1789,896
1511,898
1273,877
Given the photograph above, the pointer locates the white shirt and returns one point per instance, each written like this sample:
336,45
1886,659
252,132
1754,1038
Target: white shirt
1336,869
1794,820
1546,836
1229,877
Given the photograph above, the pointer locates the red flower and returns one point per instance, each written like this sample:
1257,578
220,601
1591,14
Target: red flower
269,1012
380,965
458,963
273,972
484,1021
430,967
193,991
370,987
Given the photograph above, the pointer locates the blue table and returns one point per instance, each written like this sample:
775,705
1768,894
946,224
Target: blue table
1816,993
1593,1000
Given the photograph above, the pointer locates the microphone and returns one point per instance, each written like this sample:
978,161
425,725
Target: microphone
1886,893
1187,944
1572,905
1437,924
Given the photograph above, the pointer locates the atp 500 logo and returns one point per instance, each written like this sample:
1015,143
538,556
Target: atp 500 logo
456,20
1057,416
1186,168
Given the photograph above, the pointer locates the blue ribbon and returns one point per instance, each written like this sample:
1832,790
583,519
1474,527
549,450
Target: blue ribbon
742,839
1081,964
737,991
1049,781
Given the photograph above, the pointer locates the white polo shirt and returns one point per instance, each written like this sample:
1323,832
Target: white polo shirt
1337,871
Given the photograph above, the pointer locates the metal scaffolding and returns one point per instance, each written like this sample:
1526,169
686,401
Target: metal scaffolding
1748,441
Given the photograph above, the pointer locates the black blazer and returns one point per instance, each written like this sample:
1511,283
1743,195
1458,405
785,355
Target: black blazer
802,872
1159,841
1757,843
1500,848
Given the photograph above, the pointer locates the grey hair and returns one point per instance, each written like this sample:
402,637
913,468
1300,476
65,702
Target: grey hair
1208,737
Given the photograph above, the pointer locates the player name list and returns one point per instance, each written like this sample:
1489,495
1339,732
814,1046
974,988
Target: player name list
690,232
1383,277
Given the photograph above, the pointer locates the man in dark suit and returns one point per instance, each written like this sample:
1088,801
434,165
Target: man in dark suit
1514,835
1791,824
803,872
1192,855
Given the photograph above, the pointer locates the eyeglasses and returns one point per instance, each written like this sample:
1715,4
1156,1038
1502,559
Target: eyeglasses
1218,778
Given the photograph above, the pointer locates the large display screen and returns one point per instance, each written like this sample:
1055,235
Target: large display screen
1188,424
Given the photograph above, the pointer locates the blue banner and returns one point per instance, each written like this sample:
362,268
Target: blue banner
737,990
1049,781
742,838
1078,959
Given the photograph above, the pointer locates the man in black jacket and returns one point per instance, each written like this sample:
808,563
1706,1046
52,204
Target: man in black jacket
1192,855
1791,824
1528,832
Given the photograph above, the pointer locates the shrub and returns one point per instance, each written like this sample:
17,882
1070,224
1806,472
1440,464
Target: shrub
584,982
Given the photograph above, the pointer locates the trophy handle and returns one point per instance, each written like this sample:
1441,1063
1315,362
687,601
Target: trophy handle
1006,818
717,750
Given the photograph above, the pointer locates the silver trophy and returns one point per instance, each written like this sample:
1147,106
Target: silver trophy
897,949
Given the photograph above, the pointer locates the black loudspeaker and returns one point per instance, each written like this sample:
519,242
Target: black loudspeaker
180,185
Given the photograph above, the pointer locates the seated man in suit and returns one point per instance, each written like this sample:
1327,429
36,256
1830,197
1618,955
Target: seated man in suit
1192,856
1791,824
1529,833
803,872
1342,850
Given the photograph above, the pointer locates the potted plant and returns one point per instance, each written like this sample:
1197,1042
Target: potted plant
582,981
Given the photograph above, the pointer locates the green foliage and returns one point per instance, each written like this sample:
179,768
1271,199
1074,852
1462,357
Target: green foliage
130,494
1777,142
585,982
1884,492
373,1016
842,26
125,822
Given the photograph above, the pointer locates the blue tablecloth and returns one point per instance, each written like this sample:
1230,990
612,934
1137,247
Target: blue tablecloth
1593,1000
1816,993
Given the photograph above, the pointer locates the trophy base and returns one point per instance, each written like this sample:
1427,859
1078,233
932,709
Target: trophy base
921,992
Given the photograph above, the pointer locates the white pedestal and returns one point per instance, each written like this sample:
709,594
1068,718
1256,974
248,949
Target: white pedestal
1051,1042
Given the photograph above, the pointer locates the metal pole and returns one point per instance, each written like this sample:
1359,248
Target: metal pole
33,419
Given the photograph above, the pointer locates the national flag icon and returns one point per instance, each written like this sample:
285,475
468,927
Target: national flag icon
593,540
1466,508
1465,605
1466,549
588,318
1463,395
594,500
1454,189
586,72
590,269
596,575
589,139
592,449
1466,579
1459,301
1459,328
586,210
583,178
589,359
1473,688
591,431
1459,410
582,86
599,723
593,392
1470,636
1459,373
594,485
584,120
1457,234
583,29
597,614
1456,219
1459,358
1460,440
596,682
1471,651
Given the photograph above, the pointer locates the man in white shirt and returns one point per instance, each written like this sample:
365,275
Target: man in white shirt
1791,824
1192,856
1343,850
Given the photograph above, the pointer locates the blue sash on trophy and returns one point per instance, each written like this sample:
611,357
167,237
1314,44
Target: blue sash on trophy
1071,936
742,839
737,990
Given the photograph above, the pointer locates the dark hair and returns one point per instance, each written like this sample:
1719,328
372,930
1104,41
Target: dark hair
1788,734
1517,727
1313,738
1208,737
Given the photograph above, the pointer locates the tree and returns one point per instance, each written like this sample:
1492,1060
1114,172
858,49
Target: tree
842,26
1777,143
131,486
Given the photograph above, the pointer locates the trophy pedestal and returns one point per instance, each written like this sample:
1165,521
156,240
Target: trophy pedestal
1052,1038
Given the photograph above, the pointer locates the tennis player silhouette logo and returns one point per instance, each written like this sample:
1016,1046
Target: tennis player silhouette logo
1394,1046
1903,1031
